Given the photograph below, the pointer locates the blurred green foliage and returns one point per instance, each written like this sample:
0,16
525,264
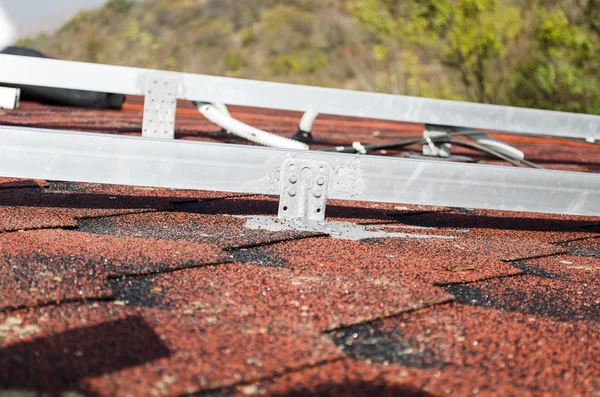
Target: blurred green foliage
562,68
534,53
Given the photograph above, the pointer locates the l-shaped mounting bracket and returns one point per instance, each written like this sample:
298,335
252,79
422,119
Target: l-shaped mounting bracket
304,190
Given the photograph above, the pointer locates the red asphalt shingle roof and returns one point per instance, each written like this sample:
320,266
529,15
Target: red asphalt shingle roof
127,291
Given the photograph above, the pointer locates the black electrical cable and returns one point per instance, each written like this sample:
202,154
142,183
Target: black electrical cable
471,145
481,148
398,144
370,148
438,140
532,165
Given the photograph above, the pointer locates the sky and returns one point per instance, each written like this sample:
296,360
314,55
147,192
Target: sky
36,16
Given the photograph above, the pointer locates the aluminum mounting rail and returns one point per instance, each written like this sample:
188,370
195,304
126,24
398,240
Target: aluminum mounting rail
102,158
133,81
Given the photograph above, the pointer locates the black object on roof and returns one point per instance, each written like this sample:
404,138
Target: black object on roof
61,96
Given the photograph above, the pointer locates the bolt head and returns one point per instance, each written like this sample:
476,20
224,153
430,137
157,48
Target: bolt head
292,192
320,181
293,179
318,193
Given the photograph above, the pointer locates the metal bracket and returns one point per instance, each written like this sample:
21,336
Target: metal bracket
304,188
9,98
160,106
435,149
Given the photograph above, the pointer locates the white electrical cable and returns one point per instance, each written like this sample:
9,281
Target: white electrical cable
222,107
236,127
7,29
307,121
305,125
219,114
498,146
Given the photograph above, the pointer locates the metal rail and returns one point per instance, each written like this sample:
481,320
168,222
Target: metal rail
102,158
132,81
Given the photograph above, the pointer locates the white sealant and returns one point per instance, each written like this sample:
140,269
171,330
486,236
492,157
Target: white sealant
336,229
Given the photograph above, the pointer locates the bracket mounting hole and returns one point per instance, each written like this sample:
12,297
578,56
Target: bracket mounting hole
285,208
318,210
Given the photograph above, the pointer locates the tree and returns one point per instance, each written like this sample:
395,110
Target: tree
469,37
478,35
534,53
562,71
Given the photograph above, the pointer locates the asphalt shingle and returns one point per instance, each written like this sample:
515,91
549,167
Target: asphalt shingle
126,291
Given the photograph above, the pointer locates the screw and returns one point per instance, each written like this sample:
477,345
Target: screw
293,179
292,192
320,181
318,193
